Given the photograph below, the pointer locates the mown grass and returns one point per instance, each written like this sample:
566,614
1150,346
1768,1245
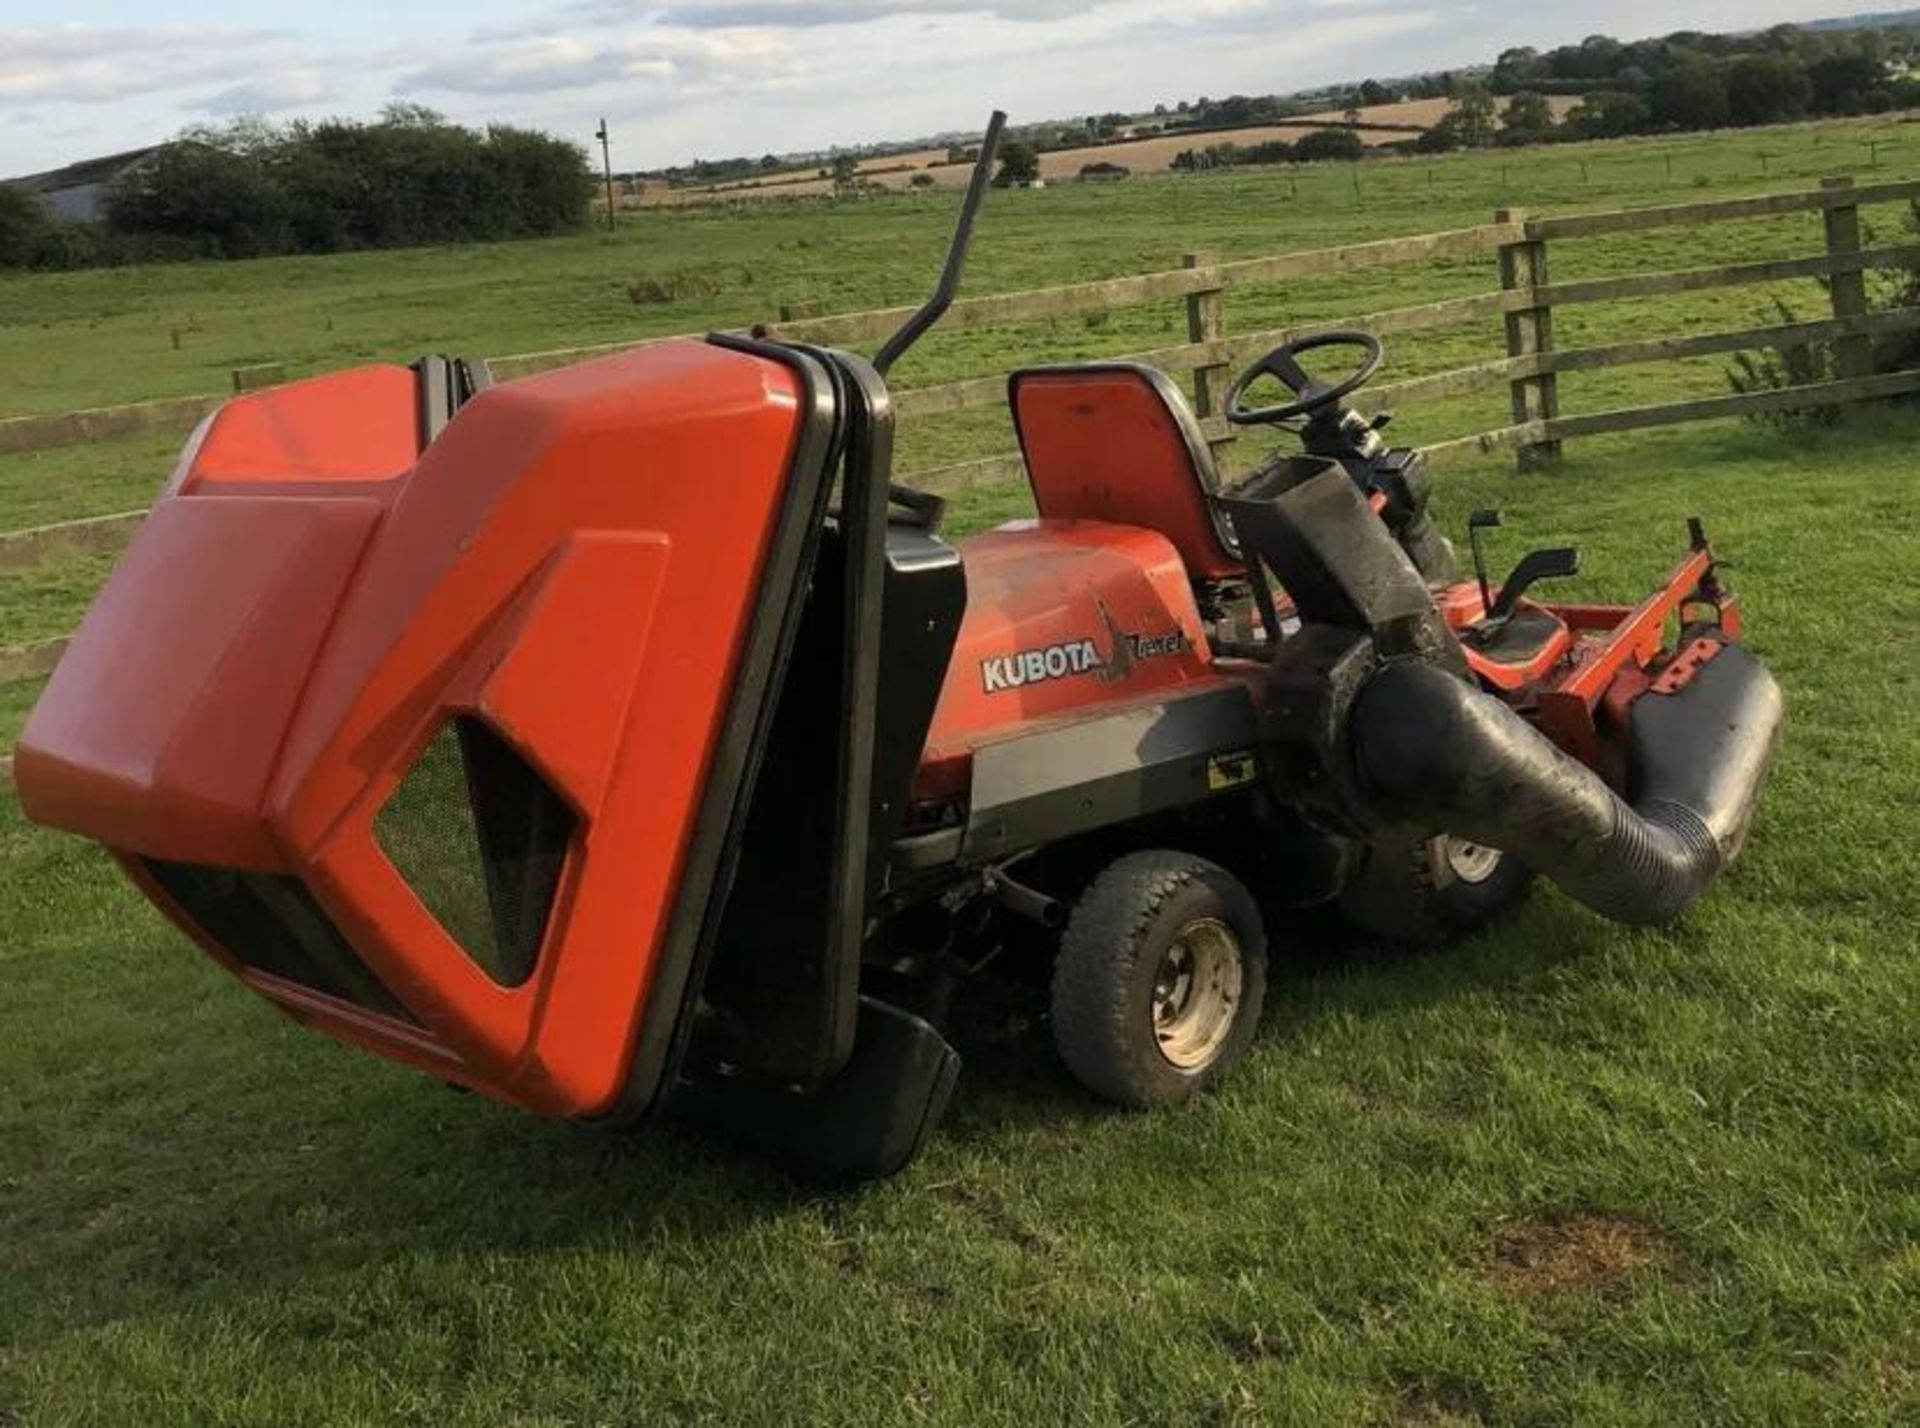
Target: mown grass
1562,1173
15,702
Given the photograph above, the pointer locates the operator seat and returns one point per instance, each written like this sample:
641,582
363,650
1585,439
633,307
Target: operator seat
1117,442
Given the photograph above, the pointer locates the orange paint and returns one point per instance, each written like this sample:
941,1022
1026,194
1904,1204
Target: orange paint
575,559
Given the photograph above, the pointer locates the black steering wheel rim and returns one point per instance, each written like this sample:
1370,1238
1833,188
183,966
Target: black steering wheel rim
1283,365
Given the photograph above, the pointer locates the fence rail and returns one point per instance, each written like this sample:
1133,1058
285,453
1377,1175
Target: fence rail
30,661
1525,301
94,535
40,433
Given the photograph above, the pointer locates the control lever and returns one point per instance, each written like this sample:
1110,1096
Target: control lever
1482,520
1556,563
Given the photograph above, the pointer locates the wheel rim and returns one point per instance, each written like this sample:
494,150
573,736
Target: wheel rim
1196,994
1469,862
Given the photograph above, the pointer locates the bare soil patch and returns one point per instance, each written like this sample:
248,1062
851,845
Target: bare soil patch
1586,1254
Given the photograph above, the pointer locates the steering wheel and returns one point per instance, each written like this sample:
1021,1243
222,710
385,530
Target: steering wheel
1283,364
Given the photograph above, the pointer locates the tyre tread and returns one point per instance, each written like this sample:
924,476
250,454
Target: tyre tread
1092,977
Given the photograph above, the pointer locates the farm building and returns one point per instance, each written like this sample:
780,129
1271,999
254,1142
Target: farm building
78,192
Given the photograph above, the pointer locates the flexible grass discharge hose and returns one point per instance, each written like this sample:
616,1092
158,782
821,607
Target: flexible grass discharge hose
1432,749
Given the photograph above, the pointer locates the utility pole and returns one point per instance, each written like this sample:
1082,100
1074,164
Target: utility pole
606,162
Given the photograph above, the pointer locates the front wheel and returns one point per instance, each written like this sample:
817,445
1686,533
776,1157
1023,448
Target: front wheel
1427,891
1160,978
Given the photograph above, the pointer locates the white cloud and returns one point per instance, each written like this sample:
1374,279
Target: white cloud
270,93
661,57
83,64
807,14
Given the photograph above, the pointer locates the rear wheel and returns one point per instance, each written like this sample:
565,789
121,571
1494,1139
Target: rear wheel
1426,891
1159,981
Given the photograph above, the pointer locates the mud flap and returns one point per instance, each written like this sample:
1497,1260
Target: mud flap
867,1122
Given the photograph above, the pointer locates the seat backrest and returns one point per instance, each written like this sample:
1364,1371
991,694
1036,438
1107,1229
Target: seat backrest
1116,441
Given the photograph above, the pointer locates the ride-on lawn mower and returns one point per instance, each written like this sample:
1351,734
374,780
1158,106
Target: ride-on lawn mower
621,737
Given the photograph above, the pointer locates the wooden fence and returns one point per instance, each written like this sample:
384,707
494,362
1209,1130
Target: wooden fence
1526,298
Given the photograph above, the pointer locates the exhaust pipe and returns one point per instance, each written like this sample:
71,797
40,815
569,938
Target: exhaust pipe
1431,749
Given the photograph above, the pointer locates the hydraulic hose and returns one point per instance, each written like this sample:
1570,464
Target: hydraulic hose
1432,749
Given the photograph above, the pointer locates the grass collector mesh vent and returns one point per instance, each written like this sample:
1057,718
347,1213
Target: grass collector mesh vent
274,925
481,839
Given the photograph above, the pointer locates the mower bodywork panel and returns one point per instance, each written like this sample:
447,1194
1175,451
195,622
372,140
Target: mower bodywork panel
479,719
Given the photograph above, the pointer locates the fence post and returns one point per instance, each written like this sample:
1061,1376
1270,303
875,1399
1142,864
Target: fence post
1207,322
260,374
1529,333
1853,355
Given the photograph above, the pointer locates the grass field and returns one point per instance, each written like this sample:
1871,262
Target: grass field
1562,1173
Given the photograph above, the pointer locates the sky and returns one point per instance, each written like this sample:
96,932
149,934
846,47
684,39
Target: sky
685,79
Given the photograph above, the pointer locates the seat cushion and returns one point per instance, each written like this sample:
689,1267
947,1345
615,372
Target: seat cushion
1117,442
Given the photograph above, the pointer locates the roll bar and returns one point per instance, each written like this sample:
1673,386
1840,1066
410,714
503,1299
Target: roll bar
936,306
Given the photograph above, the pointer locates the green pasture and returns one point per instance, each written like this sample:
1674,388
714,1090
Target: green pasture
1563,1173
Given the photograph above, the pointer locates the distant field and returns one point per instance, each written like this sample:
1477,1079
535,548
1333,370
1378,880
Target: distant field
1150,155
1156,154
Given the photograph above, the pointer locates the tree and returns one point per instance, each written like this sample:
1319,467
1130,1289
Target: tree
845,171
1518,68
254,135
1472,114
545,185
921,180
1236,109
1528,120
1608,114
205,199
32,235
1842,82
1596,57
1767,89
1374,93
1341,144
1441,138
22,216
1019,164
403,114
1783,39
1691,95
251,189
